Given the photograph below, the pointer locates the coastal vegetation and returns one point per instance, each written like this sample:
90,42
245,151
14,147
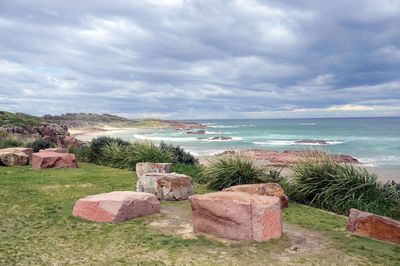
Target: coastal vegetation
37,227
323,183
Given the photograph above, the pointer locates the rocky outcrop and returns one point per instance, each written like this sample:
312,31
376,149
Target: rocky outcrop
198,132
217,138
116,207
149,167
286,158
166,186
312,141
264,189
373,226
237,216
50,159
15,156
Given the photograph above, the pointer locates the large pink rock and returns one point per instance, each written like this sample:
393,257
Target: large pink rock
373,226
237,216
149,167
263,189
115,207
50,159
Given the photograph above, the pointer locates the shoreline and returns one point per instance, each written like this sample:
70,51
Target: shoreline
384,173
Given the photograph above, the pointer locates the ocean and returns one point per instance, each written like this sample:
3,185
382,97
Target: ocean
373,141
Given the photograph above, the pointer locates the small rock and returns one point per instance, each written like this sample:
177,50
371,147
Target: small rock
149,167
166,186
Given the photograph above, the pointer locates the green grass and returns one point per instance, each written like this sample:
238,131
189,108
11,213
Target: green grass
37,228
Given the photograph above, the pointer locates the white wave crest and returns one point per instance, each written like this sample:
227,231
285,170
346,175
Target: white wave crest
293,142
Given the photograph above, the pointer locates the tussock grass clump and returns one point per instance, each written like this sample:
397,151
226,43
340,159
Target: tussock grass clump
178,154
8,140
323,183
233,170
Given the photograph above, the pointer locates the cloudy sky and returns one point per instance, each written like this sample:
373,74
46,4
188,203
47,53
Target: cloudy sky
201,59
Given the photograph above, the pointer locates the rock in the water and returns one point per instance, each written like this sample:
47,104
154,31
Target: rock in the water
60,150
264,189
166,186
49,159
149,167
115,207
311,141
15,156
237,216
373,226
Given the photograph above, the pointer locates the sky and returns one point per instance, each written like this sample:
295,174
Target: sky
182,59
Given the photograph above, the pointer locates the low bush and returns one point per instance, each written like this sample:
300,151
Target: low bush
325,184
195,171
228,171
40,144
98,144
8,140
178,154
83,153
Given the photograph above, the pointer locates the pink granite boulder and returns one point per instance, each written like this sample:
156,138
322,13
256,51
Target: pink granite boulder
116,207
373,226
168,186
149,167
237,216
263,189
50,159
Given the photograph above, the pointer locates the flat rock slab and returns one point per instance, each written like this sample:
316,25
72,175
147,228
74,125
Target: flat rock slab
116,207
237,216
373,226
168,186
15,156
51,159
149,167
263,189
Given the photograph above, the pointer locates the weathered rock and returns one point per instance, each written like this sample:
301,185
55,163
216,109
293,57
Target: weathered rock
15,156
115,207
373,226
51,159
60,150
149,167
237,216
198,132
286,158
311,141
166,186
264,189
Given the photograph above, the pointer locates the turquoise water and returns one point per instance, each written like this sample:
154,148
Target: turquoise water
374,141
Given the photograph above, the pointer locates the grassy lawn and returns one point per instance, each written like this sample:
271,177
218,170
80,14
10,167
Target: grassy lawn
36,227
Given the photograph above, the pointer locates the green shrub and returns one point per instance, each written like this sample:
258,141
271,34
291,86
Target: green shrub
195,171
8,140
178,154
228,171
97,145
118,153
83,153
143,151
325,184
40,144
